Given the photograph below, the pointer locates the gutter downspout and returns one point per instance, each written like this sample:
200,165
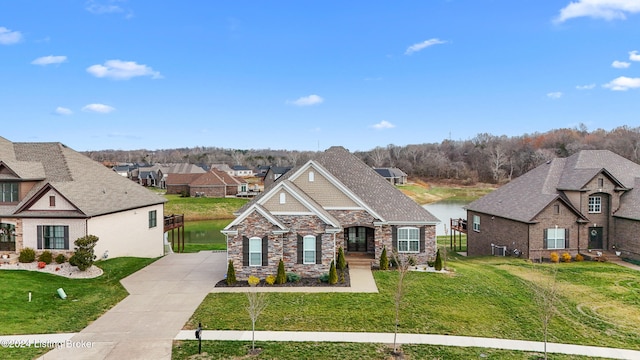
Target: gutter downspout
334,248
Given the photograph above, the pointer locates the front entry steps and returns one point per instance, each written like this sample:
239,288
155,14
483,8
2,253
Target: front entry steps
360,260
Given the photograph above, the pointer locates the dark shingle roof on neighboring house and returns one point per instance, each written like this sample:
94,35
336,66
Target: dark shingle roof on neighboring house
524,197
93,188
630,203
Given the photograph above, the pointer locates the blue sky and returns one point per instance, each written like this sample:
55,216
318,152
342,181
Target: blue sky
306,75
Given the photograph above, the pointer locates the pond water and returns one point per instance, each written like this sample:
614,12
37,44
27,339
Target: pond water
203,235
445,210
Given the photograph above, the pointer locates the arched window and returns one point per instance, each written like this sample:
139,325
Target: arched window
283,198
255,251
311,176
309,245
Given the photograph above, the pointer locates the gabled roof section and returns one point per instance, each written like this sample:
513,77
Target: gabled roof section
181,179
630,203
361,183
260,210
582,167
304,199
29,201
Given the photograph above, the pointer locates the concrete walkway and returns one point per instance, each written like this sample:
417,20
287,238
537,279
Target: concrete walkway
163,296
387,338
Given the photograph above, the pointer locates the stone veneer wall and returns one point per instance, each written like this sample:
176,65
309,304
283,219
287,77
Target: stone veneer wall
384,239
349,218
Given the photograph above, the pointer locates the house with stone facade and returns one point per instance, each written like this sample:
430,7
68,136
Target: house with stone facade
51,195
334,200
587,202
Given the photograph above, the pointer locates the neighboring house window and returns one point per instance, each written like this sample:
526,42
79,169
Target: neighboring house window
53,237
595,204
556,209
408,239
476,223
555,238
8,192
311,176
52,201
283,198
309,245
153,219
255,251
243,187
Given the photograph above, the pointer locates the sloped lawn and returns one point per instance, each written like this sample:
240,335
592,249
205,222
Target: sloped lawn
598,304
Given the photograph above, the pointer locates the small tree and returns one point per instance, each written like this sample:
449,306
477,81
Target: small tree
342,264
84,256
384,260
257,303
281,277
231,274
545,290
402,265
333,275
438,263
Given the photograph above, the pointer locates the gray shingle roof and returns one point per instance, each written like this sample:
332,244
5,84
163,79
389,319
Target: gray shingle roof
523,198
93,188
371,188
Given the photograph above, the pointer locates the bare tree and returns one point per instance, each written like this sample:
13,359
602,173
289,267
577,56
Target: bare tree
402,267
257,303
545,290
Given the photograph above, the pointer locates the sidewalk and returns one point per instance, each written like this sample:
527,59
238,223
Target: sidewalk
387,338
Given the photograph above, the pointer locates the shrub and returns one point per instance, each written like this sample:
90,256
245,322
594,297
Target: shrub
253,280
554,257
333,275
46,257
411,260
27,255
342,264
324,277
231,274
281,277
84,257
438,263
270,280
384,260
579,257
293,277
60,259
566,257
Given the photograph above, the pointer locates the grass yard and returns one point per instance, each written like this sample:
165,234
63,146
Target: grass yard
324,350
598,304
202,208
87,299
425,193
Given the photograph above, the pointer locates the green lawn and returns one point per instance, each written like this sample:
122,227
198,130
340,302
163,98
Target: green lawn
325,350
202,208
486,297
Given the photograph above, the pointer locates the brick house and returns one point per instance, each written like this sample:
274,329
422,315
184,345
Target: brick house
213,183
334,200
51,195
588,201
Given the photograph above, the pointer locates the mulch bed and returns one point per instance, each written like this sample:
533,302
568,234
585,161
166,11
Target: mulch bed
303,282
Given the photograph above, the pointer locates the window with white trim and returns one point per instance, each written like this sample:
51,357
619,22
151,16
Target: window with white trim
408,240
476,223
595,204
153,219
309,246
255,251
283,198
555,238
312,176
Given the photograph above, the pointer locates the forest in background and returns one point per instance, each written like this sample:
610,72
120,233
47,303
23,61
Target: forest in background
484,158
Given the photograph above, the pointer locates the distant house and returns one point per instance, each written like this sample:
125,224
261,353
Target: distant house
122,170
156,175
273,173
334,200
223,167
51,195
213,183
588,201
241,171
393,175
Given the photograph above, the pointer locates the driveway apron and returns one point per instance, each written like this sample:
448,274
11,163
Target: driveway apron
163,296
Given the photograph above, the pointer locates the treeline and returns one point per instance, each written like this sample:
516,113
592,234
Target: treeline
484,158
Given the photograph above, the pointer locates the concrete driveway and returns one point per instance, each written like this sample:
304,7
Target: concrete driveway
163,296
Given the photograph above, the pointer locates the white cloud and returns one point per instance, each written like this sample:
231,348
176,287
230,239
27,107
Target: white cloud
602,9
384,124
8,37
620,64
586,87
554,95
623,83
425,44
96,7
307,100
63,111
98,108
122,70
633,55
48,60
